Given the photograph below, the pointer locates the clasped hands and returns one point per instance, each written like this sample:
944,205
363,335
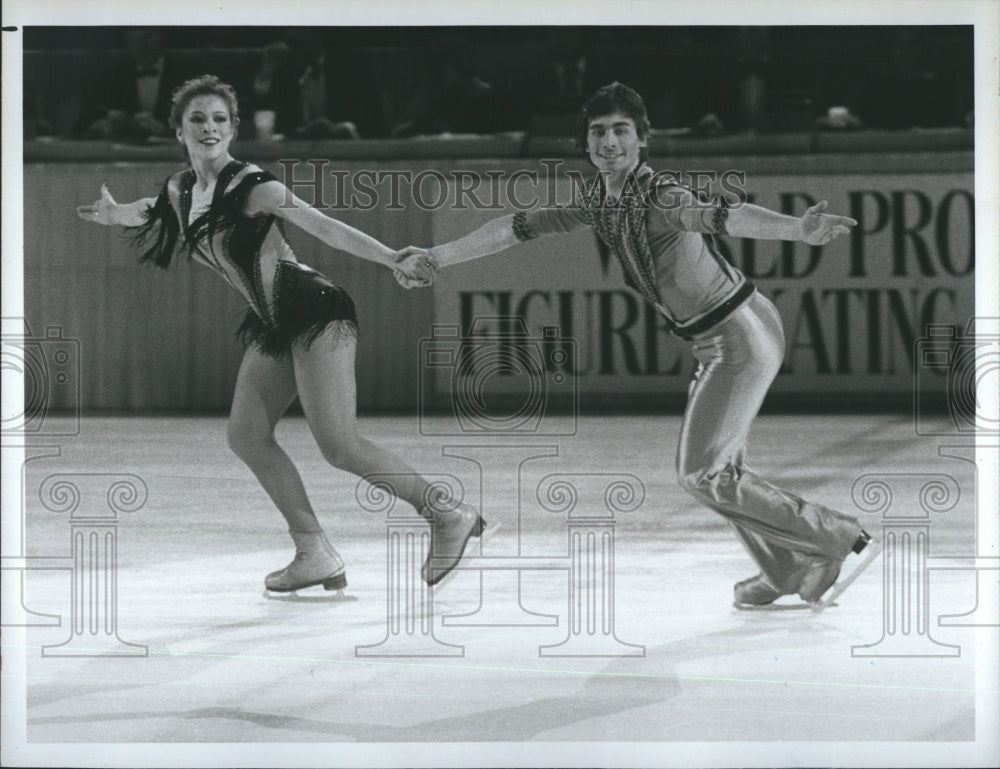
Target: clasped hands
415,267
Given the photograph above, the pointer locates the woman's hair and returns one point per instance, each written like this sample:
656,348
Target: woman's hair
609,99
206,85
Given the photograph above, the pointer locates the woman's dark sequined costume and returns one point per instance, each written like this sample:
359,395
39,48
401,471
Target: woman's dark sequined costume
289,302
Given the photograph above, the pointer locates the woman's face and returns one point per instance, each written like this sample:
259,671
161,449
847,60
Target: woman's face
207,127
613,143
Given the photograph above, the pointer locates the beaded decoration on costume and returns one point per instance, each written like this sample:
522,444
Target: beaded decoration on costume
621,227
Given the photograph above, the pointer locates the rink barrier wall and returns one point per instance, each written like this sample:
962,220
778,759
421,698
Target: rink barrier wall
163,342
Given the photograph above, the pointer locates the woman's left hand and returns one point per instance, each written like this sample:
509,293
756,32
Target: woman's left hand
818,228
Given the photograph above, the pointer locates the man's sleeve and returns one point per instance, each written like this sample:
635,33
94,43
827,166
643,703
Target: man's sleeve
683,210
549,221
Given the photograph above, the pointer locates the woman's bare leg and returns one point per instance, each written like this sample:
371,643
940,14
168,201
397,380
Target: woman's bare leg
265,388
324,375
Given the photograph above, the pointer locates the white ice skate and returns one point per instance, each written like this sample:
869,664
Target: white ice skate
450,533
315,563
485,533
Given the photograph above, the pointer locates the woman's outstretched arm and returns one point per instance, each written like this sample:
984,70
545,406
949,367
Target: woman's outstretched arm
274,198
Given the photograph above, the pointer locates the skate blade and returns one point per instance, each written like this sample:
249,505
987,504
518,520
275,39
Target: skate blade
487,530
875,548
297,596
484,531
772,607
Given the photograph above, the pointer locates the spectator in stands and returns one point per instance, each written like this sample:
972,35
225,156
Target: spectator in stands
752,54
569,63
276,88
53,95
132,101
455,101
913,96
839,118
694,96
318,121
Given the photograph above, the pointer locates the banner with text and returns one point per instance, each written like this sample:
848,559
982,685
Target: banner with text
856,312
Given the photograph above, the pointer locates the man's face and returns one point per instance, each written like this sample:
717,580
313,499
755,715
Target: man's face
613,143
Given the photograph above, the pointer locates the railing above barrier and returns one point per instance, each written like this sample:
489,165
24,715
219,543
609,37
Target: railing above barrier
946,149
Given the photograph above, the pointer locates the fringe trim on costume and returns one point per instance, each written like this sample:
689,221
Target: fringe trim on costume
307,305
160,233
275,342
161,227
227,210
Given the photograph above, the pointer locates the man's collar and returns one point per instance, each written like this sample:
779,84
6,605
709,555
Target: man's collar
634,182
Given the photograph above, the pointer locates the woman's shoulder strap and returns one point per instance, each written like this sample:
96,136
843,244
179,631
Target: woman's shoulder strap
256,175
175,184
237,196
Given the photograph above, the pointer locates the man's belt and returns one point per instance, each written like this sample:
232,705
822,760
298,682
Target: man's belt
716,315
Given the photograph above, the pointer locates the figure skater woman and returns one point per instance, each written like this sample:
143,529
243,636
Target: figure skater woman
300,329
